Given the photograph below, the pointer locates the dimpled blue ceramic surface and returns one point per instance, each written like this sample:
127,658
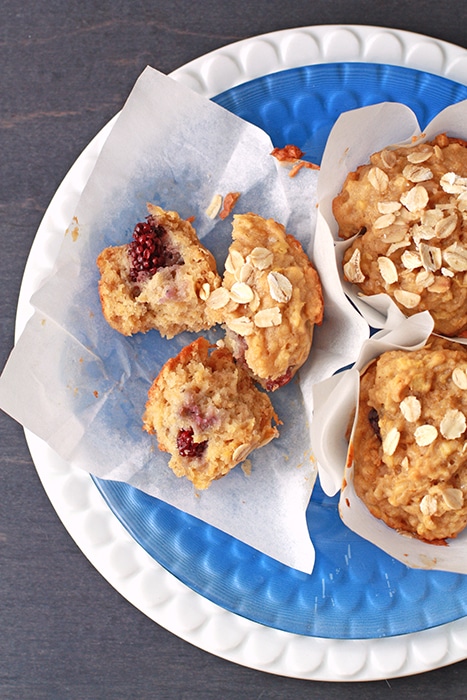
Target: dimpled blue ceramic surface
355,591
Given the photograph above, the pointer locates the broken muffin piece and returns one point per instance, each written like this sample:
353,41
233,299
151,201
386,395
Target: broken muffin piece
160,280
207,413
269,301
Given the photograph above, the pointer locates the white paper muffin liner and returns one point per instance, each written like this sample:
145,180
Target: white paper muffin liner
336,401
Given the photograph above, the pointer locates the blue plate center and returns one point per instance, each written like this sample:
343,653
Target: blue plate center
355,590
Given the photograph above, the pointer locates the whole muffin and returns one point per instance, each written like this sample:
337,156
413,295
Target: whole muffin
158,281
409,445
207,413
269,301
408,209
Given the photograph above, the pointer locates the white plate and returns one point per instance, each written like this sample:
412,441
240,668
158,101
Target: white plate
93,526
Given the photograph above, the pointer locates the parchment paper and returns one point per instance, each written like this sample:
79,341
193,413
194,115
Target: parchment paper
82,387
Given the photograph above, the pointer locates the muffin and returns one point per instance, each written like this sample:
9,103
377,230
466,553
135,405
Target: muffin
158,281
206,411
407,208
269,301
409,446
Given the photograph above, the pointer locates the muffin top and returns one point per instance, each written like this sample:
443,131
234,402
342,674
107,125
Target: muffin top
408,211
409,444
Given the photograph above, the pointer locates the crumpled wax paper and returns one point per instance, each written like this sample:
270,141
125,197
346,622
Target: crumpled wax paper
336,400
82,387
354,137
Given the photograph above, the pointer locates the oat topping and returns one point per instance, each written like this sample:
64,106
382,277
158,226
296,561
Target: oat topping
204,291
388,207
424,279
428,505
391,442
411,409
446,272
415,199
384,221
453,424
417,173
411,260
388,270
456,257
234,261
241,293
404,243
453,498
214,206
408,299
389,158
219,298
268,317
459,377
245,272
241,452
462,202
352,269
453,184
378,179
255,302
431,257
420,156
445,226
395,234
425,435
261,258
431,217
241,325
280,287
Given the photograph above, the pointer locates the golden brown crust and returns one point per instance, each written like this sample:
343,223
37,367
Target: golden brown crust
203,391
173,299
410,461
270,300
410,206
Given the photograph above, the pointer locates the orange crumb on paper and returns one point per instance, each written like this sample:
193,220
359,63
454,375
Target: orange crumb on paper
247,467
230,200
96,393
190,219
287,154
350,456
73,229
302,164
